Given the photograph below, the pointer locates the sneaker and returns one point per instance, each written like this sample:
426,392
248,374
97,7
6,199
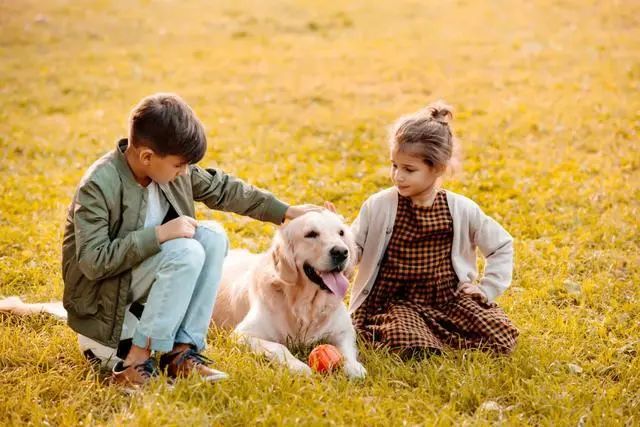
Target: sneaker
181,364
133,377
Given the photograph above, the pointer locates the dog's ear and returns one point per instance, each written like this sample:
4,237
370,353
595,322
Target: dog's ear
283,259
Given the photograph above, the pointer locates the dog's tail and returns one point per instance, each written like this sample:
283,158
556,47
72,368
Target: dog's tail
15,305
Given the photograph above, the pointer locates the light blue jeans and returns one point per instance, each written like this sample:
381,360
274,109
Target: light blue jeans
179,285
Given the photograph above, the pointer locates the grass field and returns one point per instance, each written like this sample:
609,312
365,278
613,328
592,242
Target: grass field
296,97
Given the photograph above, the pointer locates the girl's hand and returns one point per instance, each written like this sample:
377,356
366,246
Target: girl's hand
473,291
298,210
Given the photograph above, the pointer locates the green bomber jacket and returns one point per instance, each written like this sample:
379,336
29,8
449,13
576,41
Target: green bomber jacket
104,236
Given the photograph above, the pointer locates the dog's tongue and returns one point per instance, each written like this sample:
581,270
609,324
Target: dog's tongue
336,282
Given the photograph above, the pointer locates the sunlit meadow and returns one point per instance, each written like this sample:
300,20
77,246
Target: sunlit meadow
297,97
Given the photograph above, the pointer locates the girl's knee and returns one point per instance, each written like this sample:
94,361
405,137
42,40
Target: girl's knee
504,342
503,349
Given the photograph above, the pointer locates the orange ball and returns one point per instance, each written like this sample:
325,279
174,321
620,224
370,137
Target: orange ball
325,358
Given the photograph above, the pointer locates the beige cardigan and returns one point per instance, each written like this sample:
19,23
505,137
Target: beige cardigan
471,228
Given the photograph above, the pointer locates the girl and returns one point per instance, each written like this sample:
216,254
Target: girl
417,291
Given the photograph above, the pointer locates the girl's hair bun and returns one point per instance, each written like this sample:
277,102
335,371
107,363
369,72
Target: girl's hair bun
439,111
428,135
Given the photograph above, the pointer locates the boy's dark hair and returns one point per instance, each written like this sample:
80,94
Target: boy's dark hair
165,123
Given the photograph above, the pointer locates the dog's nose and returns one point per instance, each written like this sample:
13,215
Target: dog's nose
339,254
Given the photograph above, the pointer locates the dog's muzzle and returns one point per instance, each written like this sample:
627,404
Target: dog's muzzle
333,281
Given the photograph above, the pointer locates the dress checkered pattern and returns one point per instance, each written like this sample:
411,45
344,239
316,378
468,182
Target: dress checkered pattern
414,304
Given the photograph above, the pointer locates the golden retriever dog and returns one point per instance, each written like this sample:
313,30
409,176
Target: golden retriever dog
293,293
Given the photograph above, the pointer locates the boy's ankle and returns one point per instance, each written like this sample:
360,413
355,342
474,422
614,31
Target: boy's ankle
136,356
181,347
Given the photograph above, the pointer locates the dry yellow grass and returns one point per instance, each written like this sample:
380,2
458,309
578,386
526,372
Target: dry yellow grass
296,97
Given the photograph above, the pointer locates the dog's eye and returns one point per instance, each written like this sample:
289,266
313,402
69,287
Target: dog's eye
342,232
311,235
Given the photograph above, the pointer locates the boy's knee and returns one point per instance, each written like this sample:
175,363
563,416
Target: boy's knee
212,236
185,250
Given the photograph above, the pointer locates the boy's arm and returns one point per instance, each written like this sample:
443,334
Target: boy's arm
224,192
98,256
496,245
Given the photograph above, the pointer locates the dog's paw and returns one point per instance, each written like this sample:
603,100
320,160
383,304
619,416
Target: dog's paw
355,370
298,367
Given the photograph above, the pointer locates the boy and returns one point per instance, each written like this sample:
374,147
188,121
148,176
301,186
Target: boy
130,236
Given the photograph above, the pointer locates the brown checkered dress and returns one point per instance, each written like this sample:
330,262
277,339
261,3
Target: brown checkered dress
414,305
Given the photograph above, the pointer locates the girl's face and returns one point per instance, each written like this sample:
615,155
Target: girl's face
412,176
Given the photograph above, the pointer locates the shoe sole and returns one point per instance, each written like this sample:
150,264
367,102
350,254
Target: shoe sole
221,376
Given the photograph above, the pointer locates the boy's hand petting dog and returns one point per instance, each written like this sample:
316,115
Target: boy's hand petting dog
183,226
473,291
299,210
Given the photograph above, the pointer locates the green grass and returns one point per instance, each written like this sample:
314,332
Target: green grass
296,97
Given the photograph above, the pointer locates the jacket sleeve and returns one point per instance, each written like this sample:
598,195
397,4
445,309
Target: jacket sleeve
360,228
496,245
224,192
98,256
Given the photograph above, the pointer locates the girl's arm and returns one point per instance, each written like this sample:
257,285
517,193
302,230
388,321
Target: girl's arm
360,228
496,245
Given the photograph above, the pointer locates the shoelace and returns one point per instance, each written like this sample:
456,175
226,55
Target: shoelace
147,368
193,355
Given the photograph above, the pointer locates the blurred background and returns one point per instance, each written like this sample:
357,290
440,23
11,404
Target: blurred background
297,97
